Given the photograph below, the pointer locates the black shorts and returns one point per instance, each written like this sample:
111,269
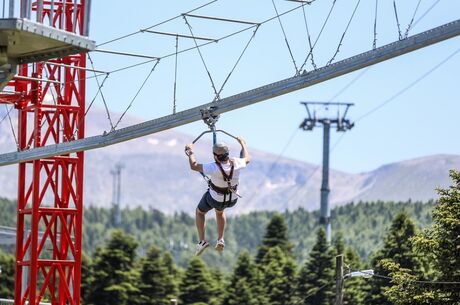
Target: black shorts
208,203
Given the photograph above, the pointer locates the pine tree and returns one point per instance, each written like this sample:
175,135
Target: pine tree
86,277
275,235
156,284
7,275
441,244
115,279
397,249
279,277
217,286
173,272
245,284
196,285
338,243
317,275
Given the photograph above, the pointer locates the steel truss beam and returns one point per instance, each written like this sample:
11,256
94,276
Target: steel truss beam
230,103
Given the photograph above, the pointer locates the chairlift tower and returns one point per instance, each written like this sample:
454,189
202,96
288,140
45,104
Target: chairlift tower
116,192
42,74
342,124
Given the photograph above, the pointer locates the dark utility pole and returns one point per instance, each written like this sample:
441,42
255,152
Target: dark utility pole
339,280
326,122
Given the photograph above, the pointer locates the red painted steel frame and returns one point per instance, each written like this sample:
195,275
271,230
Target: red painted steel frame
50,191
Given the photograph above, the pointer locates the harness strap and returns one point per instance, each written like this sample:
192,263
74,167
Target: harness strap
229,190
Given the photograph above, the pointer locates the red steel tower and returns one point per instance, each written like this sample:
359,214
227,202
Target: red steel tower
50,99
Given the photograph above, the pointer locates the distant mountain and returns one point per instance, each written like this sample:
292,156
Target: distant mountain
156,174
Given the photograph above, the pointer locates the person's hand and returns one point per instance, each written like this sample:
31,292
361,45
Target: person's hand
241,140
189,149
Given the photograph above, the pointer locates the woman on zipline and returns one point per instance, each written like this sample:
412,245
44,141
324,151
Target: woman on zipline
222,190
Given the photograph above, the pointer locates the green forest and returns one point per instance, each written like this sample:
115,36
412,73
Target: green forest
270,258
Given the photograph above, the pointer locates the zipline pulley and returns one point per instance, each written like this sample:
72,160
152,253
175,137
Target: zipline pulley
210,118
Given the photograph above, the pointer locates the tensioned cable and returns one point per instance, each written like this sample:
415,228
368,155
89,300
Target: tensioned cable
188,49
409,26
319,35
273,166
90,105
415,82
374,43
343,35
412,281
217,97
12,127
275,163
137,93
155,25
302,299
363,71
285,37
237,62
309,39
397,19
175,75
102,93
209,42
294,195
49,88
7,113
425,13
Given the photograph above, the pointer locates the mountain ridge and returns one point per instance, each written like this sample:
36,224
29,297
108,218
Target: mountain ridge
157,175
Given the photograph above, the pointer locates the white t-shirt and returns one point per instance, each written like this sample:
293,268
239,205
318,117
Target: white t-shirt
212,171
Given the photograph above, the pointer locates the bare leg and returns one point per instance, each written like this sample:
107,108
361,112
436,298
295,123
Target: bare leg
220,219
200,222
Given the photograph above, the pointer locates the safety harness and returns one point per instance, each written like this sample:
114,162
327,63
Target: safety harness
229,190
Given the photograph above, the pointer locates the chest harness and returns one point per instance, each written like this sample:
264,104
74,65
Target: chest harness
229,190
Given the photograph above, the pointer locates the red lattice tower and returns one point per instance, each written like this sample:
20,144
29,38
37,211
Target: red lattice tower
50,191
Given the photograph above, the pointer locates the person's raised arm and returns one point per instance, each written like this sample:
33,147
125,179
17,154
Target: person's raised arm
244,149
194,165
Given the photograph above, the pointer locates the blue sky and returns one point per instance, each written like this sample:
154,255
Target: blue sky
421,121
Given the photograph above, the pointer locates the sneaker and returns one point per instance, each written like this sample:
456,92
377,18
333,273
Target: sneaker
201,246
220,245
